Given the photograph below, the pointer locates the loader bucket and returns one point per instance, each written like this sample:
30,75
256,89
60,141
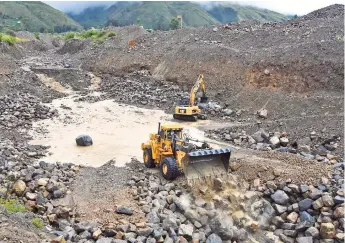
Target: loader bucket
207,163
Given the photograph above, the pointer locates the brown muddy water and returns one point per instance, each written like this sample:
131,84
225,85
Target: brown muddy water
117,131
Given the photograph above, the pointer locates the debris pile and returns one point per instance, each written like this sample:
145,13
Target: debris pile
322,149
19,110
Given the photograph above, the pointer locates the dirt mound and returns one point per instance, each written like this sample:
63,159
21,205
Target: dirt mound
331,11
275,166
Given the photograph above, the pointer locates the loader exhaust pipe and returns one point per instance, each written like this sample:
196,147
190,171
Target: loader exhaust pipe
159,127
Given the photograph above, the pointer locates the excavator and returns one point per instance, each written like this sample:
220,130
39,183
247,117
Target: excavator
176,153
187,109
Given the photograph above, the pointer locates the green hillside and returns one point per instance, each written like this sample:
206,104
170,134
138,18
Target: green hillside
95,17
34,17
227,12
157,15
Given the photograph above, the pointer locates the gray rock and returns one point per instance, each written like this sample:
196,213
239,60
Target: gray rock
84,140
280,197
262,113
144,231
228,112
305,204
284,141
124,210
170,222
169,186
315,194
152,217
222,227
213,238
304,188
186,231
58,194
327,200
291,233
109,233
304,216
277,221
279,209
105,240
339,199
304,240
313,232
192,215
302,226
85,226
274,141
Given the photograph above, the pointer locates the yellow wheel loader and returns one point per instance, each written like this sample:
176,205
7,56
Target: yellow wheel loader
187,109
175,154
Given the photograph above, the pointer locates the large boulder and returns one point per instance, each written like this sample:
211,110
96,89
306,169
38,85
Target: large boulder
84,140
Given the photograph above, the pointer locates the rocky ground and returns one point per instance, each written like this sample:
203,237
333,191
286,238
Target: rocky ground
282,82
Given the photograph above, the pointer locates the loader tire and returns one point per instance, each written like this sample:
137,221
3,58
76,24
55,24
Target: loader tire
169,168
147,157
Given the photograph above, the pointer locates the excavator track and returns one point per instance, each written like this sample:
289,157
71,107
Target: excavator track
185,117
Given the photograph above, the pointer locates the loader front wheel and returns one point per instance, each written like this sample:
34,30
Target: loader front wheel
147,157
169,168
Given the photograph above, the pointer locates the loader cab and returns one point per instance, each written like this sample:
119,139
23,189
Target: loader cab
168,131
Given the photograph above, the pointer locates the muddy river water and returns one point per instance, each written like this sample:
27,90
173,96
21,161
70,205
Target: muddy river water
117,131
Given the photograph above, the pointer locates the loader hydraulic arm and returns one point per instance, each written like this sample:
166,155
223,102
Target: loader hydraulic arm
195,88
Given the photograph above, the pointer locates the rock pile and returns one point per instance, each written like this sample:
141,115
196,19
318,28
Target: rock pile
312,147
41,187
19,110
307,213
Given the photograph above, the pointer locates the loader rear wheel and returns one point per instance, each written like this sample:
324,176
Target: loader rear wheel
147,156
169,168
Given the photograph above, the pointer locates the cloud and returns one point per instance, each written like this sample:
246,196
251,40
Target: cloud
76,6
299,7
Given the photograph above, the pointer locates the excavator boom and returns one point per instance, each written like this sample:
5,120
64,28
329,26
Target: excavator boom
195,88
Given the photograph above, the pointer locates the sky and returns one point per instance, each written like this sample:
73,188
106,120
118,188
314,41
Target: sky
299,7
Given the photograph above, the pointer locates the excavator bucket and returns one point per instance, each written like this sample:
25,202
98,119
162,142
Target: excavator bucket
206,164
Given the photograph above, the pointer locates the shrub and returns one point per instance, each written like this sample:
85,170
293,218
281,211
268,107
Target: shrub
13,205
37,36
69,35
111,34
38,223
7,38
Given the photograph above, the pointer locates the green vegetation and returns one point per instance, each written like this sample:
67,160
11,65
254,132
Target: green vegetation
174,24
158,15
37,36
10,38
229,12
38,223
12,205
34,17
111,34
97,35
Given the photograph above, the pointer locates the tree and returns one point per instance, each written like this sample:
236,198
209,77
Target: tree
295,16
138,21
174,24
